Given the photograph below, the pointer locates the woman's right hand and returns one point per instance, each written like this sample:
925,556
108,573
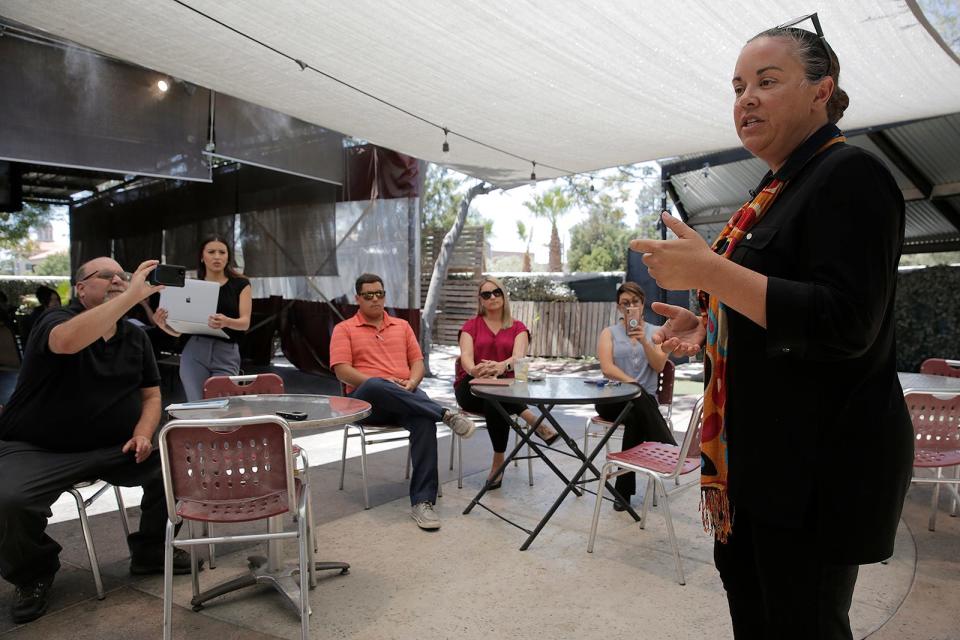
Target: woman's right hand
682,334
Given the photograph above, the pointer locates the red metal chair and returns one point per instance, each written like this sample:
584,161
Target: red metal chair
664,398
660,463
936,426
228,471
223,386
941,367
247,385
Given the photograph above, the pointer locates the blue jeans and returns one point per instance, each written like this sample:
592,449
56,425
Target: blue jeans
418,414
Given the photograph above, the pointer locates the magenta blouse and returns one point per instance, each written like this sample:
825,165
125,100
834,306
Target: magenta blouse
487,345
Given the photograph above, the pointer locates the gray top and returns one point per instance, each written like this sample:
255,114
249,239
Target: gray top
631,357
555,390
322,411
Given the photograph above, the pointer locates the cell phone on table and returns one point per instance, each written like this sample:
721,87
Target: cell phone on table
171,275
292,415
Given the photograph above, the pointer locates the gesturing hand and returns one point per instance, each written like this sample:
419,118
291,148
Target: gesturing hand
677,264
140,445
682,333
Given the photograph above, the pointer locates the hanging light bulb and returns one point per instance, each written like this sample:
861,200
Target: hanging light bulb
446,145
163,85
706,170
533,173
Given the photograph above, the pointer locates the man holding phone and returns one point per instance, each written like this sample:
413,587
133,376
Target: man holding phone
378,359
86,406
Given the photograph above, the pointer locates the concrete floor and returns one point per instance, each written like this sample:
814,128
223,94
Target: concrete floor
469,580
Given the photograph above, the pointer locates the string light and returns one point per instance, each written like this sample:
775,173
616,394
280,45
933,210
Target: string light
163,85
303,65
533,173
446,145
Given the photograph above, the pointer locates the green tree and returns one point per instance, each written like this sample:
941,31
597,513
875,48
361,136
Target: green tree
552,205
443,191
15,227
525,233
57,264
599,243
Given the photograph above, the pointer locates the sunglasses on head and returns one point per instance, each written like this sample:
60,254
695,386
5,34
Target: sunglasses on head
373,295
815,20
496,293
108,275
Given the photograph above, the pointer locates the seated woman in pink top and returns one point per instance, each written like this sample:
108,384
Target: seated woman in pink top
489,343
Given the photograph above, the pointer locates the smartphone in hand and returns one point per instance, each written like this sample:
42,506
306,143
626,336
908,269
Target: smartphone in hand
171,275
634,321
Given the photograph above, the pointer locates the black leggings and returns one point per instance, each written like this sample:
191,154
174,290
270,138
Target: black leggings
497,426
643,424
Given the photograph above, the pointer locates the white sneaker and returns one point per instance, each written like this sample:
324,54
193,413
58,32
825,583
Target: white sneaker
425,516
459,423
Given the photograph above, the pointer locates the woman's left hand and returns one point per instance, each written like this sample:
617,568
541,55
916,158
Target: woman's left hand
677,264
217,321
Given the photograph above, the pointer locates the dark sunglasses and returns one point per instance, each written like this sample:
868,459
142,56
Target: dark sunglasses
792,24
496,293
108,276
373,295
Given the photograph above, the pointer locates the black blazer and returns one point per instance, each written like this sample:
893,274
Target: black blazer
817,425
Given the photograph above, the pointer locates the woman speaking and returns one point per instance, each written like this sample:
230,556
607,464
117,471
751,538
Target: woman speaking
807,443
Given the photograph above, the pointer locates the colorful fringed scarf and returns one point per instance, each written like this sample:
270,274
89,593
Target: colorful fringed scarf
715,507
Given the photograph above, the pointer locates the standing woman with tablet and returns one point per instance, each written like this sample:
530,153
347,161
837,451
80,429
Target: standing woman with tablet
205,356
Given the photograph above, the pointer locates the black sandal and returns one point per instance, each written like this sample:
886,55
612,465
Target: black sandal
549,441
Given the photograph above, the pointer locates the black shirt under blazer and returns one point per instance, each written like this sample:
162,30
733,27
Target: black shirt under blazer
819,433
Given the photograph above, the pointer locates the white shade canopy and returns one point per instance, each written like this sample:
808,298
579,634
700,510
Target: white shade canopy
572,85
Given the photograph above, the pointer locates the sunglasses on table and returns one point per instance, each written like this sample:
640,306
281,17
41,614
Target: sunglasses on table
373,295
108,275
496,293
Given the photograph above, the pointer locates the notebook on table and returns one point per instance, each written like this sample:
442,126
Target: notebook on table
495,382
190,306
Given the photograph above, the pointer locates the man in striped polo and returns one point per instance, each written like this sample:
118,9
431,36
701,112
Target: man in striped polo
378,359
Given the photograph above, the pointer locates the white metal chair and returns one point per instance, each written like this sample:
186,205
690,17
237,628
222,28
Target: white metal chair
373,434
228,471
665,381
82,504
660,463
456,445
936,427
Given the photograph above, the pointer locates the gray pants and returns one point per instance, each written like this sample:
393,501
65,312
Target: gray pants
203,357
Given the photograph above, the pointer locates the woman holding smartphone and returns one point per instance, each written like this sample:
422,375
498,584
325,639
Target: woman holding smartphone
205,356
626,354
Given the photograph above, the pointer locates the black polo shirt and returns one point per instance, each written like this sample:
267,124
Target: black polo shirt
82,401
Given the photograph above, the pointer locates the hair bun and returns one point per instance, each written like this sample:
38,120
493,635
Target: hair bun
837,104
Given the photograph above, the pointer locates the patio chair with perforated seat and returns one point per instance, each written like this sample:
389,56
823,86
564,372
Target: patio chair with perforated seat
456,445
941,367
660,463
245,385
936,428
229,471
665,382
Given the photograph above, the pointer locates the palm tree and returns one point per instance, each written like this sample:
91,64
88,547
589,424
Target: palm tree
552,205
525,234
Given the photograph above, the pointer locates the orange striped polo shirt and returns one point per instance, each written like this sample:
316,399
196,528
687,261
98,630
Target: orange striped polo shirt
384,353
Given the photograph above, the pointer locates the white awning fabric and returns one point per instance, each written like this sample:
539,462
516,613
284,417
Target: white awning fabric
572,85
